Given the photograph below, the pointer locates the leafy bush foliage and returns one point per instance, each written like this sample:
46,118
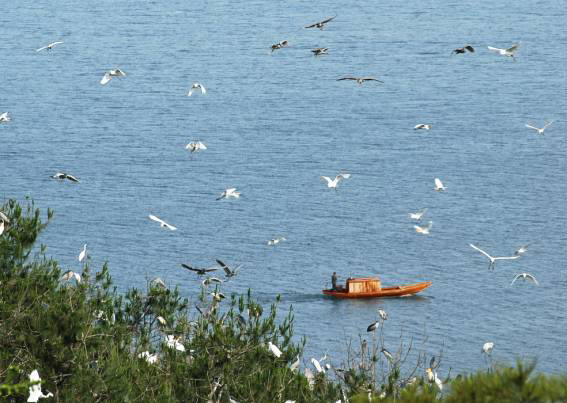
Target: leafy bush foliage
92,344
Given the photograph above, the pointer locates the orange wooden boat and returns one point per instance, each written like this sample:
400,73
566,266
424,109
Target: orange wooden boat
371,287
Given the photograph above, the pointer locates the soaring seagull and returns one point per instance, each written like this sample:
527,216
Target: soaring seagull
197,87
524,276
49,46
321,24
510,52
228,193
425,229
422,126
332,183
542,130
492,258
360,80
111,73
418,215
63,175
195,146
228,271
4,118
439,185
162,223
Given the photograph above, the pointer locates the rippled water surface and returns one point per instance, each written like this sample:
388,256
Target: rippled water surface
273,123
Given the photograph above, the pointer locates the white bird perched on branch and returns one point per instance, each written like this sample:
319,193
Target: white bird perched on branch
276,240
49,46
418,215
494,259
197,87
432,377
195,146
111,73
274,349
317,365
4,117
383,315
524,276
542,130
35,390
387,354
332,183
83,253
228,193
150,358
173,342
423,229
510,52
422,126
162,223
295,365
69,274
439,185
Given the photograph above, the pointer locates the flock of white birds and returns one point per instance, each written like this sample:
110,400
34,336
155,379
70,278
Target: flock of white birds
197,146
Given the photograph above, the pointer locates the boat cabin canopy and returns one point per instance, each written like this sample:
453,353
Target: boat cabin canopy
368,284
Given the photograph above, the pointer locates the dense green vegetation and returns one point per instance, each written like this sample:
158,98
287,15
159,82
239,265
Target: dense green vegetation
86,341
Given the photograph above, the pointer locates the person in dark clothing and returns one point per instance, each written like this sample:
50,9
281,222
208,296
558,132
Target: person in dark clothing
334,280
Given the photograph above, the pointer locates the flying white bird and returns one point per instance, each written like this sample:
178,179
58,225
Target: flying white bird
112,73
195,87
276,240
50,46
4,118
63,175
422,126
524,276
208,281
439,185
521,250
172,342
418,215
425,229
83,253
35,390
383,314
274,349
487,347
195,146
510,52
228,193
332,183
150,358
493,259
69,274
542,130
161,222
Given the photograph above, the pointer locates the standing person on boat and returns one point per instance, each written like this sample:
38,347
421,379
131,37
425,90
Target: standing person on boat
334,280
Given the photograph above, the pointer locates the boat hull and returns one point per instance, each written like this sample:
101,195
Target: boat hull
384,292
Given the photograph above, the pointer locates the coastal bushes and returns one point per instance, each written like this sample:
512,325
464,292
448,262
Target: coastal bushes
90,343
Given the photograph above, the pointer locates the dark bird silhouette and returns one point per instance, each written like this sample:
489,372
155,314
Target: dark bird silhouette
200,271
464,49
321,24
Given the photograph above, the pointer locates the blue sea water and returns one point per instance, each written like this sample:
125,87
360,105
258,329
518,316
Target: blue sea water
273,124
